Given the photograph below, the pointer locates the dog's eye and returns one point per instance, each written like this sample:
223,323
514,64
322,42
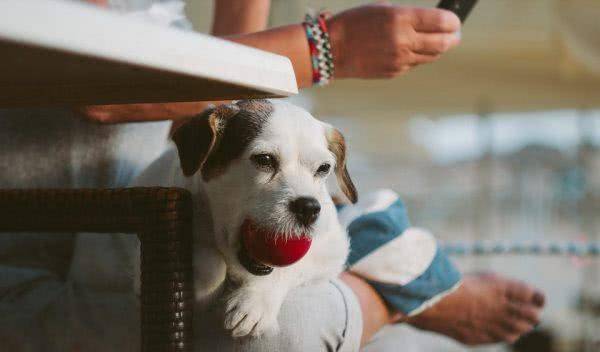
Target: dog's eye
265,161
323,169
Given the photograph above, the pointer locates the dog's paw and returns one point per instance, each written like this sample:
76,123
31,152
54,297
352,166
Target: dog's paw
251,312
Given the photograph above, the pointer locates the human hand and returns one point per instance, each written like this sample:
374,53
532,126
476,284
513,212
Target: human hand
141,112
384,41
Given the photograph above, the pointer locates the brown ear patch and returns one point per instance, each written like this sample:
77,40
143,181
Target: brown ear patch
235,136
209,142
197,138
194,139
337,145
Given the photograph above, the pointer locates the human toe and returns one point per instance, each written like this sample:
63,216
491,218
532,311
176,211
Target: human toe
518,291
524,312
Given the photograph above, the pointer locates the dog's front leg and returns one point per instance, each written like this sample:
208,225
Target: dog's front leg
252,307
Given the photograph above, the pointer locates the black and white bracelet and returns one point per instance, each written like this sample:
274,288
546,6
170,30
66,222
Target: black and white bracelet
320,49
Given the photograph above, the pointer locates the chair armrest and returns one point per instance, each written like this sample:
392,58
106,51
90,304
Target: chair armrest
162,219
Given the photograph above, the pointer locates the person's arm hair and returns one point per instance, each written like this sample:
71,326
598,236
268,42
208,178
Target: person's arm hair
240,16
245,22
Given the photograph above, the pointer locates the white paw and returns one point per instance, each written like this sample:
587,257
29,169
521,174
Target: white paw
251,312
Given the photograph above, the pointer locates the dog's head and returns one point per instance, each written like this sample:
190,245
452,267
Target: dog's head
264,161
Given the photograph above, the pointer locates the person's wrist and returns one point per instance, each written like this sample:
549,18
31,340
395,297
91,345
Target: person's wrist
336,37
319,42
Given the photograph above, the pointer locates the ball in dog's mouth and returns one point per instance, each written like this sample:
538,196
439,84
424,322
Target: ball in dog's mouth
262,250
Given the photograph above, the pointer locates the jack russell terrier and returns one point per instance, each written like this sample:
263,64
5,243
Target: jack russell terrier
260,167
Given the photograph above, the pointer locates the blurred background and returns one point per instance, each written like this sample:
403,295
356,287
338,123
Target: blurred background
498,141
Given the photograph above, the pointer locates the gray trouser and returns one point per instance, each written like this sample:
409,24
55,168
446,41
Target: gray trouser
43,313
321,317
40,312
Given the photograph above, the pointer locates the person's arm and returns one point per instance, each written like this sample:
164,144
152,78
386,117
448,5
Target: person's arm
240,17
371,41
288,41
229,17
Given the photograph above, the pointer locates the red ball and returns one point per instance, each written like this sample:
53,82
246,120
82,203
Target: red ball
273,250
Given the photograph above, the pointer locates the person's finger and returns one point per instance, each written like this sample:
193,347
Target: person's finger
95,113
435,20
434,43
395,71
419,59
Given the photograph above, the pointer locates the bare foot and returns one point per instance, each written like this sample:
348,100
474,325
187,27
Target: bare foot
486,308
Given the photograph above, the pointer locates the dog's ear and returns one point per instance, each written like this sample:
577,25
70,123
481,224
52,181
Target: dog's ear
337,145
199,136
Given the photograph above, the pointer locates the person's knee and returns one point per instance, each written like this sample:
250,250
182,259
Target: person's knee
319,317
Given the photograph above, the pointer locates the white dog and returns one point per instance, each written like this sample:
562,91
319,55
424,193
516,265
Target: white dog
264,161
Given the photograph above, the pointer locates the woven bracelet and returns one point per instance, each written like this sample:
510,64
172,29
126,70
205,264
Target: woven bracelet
320,49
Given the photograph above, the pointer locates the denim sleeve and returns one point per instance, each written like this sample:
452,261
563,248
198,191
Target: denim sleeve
404,264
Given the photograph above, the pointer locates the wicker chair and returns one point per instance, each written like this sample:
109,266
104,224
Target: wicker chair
161,217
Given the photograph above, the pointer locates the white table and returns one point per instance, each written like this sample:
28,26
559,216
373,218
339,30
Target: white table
61,53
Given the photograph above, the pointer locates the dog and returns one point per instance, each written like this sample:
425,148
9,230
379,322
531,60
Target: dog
266,161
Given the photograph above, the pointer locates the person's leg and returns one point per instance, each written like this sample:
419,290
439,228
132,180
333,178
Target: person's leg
415,277
486,308
319,317
406,338
27,314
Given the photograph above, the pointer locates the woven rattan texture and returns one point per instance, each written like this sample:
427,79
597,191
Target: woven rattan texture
161,217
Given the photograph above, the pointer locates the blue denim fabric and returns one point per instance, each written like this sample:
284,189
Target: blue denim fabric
370,231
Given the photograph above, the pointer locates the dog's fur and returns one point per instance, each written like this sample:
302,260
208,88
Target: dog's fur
215,163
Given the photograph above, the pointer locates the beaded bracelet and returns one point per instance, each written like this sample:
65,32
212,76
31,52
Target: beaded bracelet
320,49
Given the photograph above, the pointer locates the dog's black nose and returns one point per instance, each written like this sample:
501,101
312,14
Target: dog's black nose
306,209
